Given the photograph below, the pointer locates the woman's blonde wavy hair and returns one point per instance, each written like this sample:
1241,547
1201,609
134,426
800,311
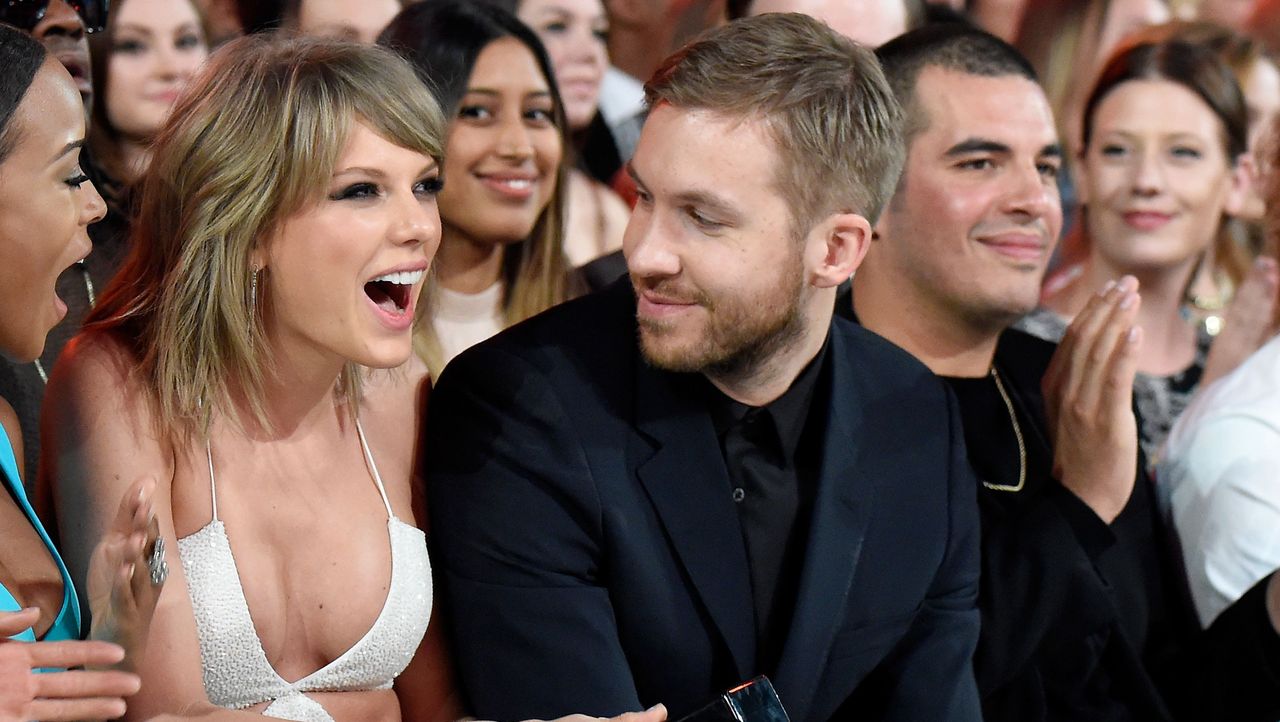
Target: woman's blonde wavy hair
254,140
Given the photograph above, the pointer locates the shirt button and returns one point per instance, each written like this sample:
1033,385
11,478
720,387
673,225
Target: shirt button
739,494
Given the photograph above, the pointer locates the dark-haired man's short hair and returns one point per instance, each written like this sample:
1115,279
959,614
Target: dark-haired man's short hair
952,46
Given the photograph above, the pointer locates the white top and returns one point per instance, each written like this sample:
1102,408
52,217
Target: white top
462,320
1220,478
235,668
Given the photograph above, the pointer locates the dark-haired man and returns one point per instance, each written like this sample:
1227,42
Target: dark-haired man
1084,610
656,492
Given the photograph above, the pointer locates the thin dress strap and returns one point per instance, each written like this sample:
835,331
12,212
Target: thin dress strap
213,487
373,468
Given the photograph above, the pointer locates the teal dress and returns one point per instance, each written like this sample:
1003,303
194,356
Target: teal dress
67,625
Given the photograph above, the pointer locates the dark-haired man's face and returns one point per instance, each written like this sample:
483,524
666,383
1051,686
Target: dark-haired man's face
976,215
63,35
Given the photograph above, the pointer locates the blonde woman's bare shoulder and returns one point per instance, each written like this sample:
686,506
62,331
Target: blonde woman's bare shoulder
96,372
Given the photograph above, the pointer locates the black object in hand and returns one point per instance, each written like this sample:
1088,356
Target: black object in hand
755,701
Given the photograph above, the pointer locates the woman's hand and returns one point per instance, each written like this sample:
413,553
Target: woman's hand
126,575
56,696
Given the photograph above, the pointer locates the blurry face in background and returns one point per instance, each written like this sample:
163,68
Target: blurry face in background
359,20
156,45
503,150
1155,178
868,22
1262,96
575,33
62,32
46,204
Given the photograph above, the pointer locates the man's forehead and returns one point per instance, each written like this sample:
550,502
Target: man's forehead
1008,108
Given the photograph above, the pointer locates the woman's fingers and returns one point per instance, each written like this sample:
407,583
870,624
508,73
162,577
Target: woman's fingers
82,684
70,710
73,653
14,623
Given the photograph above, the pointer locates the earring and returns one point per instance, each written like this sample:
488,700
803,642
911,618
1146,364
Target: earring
253,296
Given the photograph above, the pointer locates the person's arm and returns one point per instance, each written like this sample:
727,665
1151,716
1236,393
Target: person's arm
1039,578
1225,505
104,439
929,675
515,531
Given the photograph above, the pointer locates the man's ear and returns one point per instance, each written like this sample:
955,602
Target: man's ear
835,248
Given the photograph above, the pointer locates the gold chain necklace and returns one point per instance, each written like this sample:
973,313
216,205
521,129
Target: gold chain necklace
88,288
1017,433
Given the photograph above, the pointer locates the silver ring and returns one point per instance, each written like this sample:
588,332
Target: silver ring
156,564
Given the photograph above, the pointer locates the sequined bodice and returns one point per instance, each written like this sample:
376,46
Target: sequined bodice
236,671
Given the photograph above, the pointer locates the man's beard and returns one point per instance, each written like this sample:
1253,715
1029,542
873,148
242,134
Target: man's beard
742,335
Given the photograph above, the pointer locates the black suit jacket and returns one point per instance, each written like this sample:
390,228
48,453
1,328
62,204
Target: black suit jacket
591,559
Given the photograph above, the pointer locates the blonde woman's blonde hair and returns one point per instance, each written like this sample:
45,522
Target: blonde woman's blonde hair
254,140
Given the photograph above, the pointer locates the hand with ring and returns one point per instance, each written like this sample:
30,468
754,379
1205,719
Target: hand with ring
127,573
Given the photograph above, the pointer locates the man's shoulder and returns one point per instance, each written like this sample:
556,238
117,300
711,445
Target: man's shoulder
876,363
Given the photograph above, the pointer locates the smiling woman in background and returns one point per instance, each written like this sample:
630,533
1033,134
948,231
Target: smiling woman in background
1163,133
502,255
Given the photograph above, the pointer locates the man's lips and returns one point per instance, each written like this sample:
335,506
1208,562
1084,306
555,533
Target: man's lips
657,305
1017,246
1146,220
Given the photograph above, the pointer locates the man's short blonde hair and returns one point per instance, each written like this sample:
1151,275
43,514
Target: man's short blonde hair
837,126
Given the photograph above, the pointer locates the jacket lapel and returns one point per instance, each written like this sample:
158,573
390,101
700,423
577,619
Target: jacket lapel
687,481
841,511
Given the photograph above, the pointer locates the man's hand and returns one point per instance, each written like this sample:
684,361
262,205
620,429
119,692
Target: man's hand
54,696
1088,393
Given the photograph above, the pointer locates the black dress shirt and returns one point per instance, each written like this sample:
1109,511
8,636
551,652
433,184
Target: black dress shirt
772,463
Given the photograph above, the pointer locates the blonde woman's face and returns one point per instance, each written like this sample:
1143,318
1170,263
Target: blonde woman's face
46,205
1155,178
343,276
503,150
156,46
